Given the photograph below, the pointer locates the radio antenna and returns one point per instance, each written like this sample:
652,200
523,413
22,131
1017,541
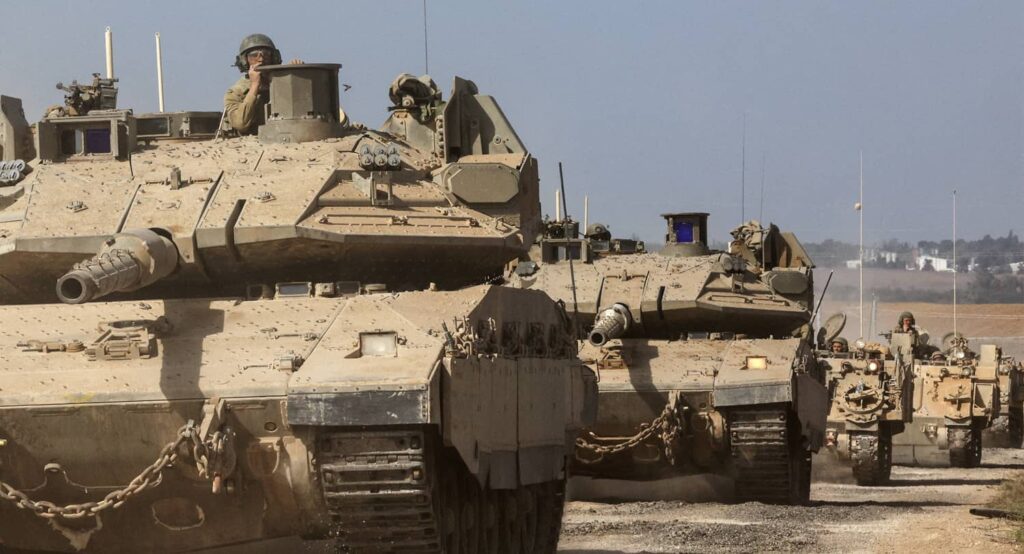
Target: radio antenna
954,263
743,173
568,254
763,163
426,57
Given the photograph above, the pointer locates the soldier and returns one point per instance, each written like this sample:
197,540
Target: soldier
840,345
906,324
244,101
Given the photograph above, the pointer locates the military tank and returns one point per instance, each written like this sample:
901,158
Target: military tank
871,389
210,341
705,358
956,397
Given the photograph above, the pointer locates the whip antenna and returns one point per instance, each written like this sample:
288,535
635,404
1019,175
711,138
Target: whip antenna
568,254
426,57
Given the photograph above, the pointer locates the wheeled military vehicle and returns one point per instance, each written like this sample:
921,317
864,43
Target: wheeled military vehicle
210,341
871,388
704,357
956,397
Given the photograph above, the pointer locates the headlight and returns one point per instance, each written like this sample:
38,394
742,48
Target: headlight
960,354
965,371
873,366
860,344
381,344
757,362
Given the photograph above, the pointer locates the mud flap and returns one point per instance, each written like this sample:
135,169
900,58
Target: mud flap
812,405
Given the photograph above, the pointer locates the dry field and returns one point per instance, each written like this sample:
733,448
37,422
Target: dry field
1001,324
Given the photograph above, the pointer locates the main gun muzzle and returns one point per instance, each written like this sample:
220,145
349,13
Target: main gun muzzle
610,324
128,261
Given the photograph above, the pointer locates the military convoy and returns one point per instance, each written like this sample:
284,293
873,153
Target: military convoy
704,357
212,341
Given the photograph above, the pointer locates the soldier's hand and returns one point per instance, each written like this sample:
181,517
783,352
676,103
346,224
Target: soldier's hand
255,76
296,61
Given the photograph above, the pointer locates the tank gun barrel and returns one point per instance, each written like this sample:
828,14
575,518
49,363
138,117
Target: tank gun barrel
128,261
610,324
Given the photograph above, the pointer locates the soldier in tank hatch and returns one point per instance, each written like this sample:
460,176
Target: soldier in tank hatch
840,345
245,100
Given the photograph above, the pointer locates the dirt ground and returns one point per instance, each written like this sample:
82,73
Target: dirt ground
923,510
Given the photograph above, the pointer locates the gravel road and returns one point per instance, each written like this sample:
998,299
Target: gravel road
923,509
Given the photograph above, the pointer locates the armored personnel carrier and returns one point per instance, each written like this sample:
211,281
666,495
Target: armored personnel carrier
871,388
704,358
1008,427
210,341
956,397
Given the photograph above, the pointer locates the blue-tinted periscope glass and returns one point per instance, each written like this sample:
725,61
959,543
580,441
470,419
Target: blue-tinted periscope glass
684,231
97,141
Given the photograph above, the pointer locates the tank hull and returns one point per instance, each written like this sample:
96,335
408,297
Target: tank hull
328,432
719,413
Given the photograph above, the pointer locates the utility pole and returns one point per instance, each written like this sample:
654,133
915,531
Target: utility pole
860,210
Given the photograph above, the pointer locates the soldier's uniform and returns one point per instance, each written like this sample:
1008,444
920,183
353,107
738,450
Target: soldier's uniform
244,114
915,336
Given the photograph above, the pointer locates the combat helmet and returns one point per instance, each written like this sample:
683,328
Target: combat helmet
843,342
257,40
906,315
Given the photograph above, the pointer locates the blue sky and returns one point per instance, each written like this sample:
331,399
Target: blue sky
643,101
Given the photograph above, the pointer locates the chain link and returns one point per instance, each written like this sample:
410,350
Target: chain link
667,427
150,477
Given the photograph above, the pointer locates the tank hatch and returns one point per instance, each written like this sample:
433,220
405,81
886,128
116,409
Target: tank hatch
304,103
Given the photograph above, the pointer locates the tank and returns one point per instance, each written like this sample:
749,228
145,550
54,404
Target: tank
871,388
956,397
213,340
705,359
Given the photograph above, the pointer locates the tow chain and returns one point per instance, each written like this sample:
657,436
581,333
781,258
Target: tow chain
150,477
667,427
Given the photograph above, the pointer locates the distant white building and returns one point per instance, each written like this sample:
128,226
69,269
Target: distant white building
1017,267
852,264
936,263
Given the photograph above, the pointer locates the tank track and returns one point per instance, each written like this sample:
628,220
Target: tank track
871,454
1015,427
767,459
964,446
401,491
381,491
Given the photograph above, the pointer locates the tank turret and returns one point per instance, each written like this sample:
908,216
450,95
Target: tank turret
445,192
